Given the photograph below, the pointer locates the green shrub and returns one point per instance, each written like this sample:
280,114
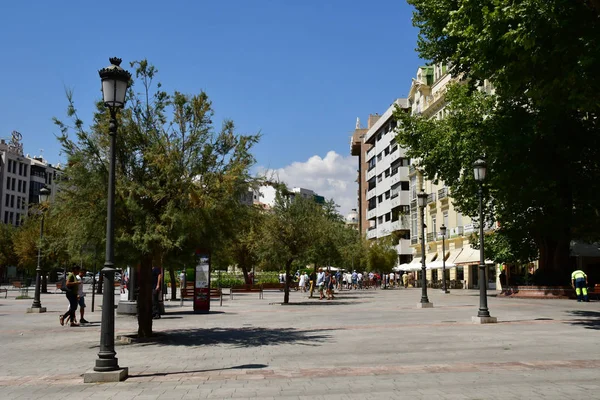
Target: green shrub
267,277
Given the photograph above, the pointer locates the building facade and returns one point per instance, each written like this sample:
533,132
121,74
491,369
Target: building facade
383,193
21,178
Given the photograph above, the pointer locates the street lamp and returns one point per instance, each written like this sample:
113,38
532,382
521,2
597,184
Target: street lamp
443,232
115,81
422,200
483,315
36,307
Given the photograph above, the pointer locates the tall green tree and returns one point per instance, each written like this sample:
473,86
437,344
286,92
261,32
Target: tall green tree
177,178
538,131
382,255
289,232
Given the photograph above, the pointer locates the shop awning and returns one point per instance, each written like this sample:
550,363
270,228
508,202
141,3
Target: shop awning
468,256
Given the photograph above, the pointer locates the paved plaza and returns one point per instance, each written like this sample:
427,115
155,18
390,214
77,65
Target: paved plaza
371,344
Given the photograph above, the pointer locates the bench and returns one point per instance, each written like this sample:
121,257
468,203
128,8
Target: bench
5,292
17,284
594,292
246,289
215,293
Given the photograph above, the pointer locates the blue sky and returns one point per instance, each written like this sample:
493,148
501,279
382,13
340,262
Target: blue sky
300,72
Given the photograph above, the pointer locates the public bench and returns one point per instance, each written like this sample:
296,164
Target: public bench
215,293
278,287
5,292
17,284
246,289
594,292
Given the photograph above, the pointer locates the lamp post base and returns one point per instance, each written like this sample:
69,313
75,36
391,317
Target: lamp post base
36,310
484,320
118,375
424,305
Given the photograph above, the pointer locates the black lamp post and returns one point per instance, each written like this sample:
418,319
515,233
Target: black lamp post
483,315
443,232
422,200
115,81
36,307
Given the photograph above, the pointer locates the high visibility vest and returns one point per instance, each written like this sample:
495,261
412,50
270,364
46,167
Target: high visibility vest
578,274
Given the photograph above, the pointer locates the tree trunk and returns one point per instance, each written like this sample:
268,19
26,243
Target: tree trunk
286,286
44,288
553,263
173,283
144,302
100,280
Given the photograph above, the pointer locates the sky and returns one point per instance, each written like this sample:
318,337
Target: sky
298,71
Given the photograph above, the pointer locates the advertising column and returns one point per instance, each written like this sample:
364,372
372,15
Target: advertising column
202,284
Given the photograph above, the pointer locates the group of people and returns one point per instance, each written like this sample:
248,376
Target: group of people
73,288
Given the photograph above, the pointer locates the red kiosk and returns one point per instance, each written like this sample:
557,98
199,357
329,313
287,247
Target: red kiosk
202,283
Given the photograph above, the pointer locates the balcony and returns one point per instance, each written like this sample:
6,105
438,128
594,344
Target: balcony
443,193
371,193
431,198
458,231
430,237
395,201
371,173
468,229
372,233
372,213
414,240
401,225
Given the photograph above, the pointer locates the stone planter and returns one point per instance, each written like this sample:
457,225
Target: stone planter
539,292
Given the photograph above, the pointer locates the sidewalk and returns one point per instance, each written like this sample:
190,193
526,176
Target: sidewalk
371,344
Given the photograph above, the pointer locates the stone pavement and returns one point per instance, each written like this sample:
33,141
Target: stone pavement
371,344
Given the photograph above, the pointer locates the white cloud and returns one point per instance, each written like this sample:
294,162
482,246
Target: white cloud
333,177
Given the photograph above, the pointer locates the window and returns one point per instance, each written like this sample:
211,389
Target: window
413,187
14,165
19,186
24,186
379,136
7,183
18,201
460,273
387,172
380,220
49,179
387,195
379,156
379,177
446,219
20,168
11,215
434,226
371,184
23,203
372,163
394,148
387,151
12,186
404,185
18,219
388,216
6,217
395,190
12,202
25,170
7,200
380,198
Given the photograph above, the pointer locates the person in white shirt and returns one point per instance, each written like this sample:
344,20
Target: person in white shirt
302,282
321,282
81,296
360,280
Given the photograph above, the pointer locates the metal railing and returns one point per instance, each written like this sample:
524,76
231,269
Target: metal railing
443,193
430,198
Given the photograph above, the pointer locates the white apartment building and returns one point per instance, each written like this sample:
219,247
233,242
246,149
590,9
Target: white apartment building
265,195
384,181
21,178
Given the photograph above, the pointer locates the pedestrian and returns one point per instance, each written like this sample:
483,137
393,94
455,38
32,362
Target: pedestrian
321,282
156,286
302,283
405,279
579,281
72,288
81,296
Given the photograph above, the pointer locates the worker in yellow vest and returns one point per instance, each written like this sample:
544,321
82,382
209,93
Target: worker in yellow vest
580,282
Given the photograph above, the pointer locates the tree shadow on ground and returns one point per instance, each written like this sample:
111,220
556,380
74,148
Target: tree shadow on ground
244,366
244,337
343,296
588,319
191,312
315,302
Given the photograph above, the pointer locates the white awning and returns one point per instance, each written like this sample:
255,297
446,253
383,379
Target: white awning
468,256
440,265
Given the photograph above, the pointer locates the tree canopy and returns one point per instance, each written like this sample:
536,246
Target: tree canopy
538,130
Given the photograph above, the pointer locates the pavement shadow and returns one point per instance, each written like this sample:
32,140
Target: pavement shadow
315,302
244,337
244,366
588,319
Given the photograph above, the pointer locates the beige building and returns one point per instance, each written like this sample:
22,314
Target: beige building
427,97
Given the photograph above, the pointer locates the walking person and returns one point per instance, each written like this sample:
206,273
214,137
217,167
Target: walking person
72,288
302,283
156,292
321,282
579,281
81,296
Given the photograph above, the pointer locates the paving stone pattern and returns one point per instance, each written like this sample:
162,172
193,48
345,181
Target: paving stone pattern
371,344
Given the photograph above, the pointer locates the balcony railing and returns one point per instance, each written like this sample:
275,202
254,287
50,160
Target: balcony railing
431,198
430,236
443,193
414,240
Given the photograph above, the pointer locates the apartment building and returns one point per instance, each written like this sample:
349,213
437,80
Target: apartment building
427,98
383,194
265,195
21,178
